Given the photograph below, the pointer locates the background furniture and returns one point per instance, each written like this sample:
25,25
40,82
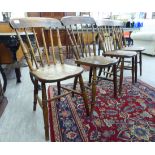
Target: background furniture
10,50
5,53
11,42
3,99
145,37
64,38
57,15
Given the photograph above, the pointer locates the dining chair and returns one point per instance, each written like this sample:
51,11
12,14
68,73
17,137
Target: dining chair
133,48
82,33
44,66
108,42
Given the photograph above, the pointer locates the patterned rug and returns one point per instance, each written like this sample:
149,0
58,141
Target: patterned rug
131,117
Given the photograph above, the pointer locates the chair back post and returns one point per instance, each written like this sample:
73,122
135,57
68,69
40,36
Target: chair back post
25,51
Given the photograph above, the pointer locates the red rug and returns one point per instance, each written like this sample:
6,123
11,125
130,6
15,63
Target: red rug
131,117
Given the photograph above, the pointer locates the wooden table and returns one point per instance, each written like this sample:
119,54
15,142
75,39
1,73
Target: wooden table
10,40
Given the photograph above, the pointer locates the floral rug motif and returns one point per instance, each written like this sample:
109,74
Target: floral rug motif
129,118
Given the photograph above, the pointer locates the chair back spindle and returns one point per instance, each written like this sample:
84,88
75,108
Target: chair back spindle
82,34
36,49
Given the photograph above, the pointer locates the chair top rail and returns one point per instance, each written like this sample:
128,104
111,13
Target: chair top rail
72,20
29,22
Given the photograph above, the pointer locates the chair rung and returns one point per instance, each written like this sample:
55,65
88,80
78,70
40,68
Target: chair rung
54,98
104,78
69,89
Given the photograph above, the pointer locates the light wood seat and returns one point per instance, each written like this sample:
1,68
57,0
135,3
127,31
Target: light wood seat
120,53
82,34
133,48
97,61
61,72
42,62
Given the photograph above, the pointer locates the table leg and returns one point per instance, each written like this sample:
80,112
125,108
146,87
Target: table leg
121,75
17,68
18,74
4,78
115,80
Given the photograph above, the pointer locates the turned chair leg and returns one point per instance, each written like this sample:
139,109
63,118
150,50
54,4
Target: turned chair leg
115,80
140,62
94,85
74,85
35,94
84,95
59,87
45,111
90,75
133,70
136,68
121,76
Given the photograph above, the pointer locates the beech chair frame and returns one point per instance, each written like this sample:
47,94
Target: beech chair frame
110,44
79,30
45,68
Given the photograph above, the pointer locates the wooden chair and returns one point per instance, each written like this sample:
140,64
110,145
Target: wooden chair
81,31
108,42
133,48
46,68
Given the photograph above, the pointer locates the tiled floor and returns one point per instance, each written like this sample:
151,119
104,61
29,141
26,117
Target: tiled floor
20,123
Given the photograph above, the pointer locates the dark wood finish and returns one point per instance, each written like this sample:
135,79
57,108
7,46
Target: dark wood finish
3,100
1,92
57,15
34,14
43,64
3,78
79,29
5,53
10,50
3,105
10,41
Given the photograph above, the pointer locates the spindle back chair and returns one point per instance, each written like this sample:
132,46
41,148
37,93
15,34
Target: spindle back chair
82,33
133,48
42,62
110,42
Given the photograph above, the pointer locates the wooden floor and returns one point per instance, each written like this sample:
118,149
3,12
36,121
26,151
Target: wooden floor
20,123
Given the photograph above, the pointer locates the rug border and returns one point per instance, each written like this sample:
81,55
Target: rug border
55,131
